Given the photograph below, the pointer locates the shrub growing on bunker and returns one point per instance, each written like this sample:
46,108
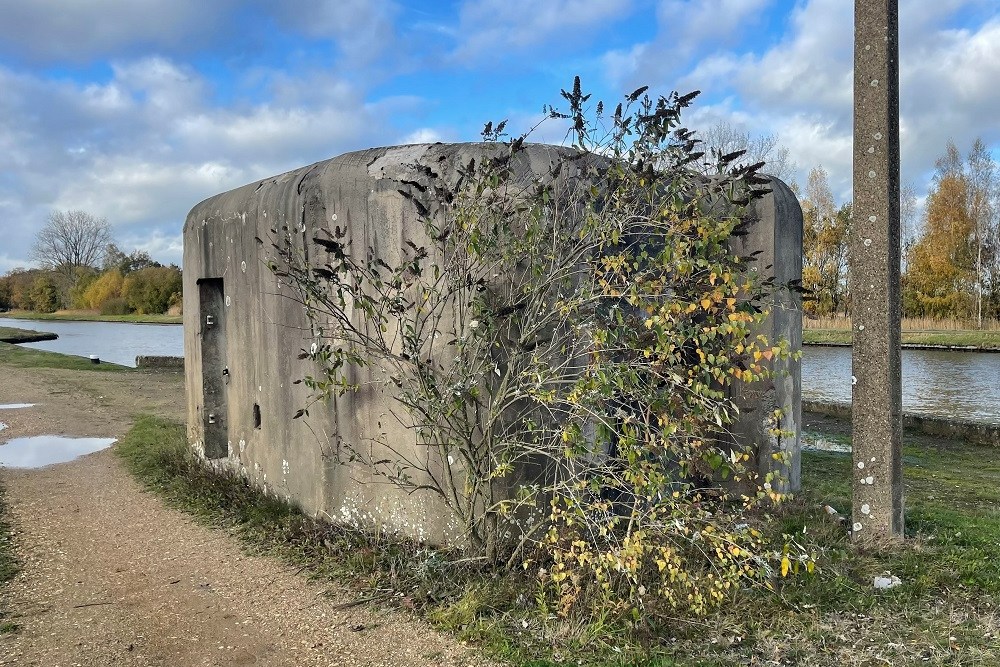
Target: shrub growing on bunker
562,347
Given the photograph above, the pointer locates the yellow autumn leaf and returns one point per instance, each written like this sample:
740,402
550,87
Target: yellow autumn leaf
786,564
706,303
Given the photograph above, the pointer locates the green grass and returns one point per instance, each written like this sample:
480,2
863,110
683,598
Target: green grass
24,357
14,335
945,613
980,339
84,316
9,565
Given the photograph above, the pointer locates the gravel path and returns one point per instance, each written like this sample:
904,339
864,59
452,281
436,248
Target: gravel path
112,577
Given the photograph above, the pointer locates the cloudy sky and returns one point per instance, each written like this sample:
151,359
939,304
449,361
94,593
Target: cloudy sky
135,110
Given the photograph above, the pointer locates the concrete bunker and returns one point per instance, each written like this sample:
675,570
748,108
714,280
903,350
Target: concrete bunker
243,332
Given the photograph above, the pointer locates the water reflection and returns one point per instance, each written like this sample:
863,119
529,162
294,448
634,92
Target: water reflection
117,342
936,383
42,450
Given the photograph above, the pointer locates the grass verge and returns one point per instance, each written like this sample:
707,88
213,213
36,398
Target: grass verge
14,335
24,357
9,565
989,340
944,613
88,316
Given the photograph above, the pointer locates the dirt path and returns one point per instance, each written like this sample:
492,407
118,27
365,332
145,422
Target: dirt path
112,577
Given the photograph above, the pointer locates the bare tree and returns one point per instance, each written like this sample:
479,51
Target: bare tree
908,221
980,191
724,138
71,239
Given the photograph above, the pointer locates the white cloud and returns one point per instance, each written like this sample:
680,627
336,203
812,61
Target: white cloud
801,87
423,135
50,30
144,147
686,29
167,248
490,28
77,31
687,25
363,29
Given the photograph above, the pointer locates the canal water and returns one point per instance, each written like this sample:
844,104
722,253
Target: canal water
936,383
117,342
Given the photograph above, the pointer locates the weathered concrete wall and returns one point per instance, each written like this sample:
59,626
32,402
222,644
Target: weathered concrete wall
240,368
777,237
159,362
977,433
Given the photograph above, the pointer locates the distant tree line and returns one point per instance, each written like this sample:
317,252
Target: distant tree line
951,258
81,268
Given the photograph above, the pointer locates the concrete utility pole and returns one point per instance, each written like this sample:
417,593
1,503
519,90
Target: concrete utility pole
876,305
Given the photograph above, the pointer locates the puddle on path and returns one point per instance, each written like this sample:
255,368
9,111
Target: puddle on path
15,406
43,450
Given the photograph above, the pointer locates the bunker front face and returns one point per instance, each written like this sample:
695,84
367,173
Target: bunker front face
244,329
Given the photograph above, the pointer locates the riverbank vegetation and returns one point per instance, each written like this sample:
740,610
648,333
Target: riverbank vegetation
9,564
81,268
23,357
14,335
151,290
944,610
957,338
90,316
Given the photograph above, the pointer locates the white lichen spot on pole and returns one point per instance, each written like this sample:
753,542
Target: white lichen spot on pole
875,276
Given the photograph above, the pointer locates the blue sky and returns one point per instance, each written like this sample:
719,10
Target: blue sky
135,110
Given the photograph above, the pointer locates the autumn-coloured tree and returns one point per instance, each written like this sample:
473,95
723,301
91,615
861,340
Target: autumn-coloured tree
108,286
941,267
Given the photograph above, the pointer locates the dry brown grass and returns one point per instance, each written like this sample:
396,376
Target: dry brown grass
909,324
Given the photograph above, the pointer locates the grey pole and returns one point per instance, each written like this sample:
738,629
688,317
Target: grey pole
877,511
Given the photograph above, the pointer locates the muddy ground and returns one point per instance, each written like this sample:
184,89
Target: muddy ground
113,577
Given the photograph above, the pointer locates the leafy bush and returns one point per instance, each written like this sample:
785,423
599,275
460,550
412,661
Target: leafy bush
16,287
107,287
562,347
150,290
83,278
44,295
115,306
